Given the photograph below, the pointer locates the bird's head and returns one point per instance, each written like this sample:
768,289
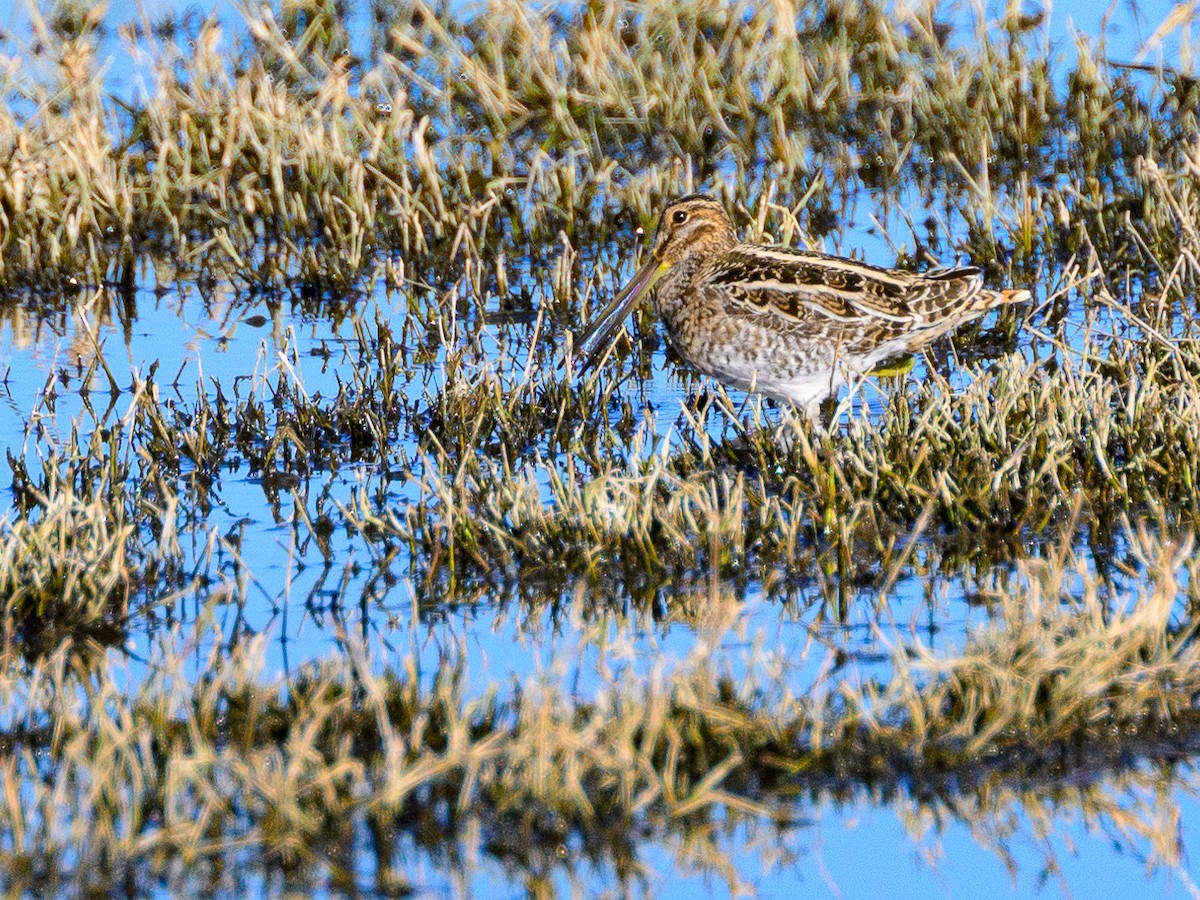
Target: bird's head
692,224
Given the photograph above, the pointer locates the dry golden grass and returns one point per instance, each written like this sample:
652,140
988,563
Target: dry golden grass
180,776
1056,480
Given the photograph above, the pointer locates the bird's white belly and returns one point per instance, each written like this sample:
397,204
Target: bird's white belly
806,388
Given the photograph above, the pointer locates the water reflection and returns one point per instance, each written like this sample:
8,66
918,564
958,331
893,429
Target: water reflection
309,463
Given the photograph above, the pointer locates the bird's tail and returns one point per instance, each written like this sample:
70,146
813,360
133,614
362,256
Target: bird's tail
1013,296
989,299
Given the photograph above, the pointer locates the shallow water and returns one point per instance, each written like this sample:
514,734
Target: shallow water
303,605
304,598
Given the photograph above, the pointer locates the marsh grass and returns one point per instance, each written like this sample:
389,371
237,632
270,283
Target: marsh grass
267,157
65,574
489,169
179,777
1083,669
90,545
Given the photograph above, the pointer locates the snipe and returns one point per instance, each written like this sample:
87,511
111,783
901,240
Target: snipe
790,324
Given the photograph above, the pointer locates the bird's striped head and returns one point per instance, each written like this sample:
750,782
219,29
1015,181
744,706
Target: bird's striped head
690,224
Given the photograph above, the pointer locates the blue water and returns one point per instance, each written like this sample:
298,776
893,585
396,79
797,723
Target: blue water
860,850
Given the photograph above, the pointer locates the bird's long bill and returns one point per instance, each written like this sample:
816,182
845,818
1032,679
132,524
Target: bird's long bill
600,333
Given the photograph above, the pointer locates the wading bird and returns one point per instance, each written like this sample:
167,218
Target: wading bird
786,323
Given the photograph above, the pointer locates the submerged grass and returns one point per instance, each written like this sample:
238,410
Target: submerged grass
93,540
179,779
490,167
995,467
65,574
195,777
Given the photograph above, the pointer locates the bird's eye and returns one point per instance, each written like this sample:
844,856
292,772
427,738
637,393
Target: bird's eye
679,217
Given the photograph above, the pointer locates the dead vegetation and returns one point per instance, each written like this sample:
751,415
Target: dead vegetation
491,170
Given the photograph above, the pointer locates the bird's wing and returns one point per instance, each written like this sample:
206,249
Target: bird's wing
796,284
